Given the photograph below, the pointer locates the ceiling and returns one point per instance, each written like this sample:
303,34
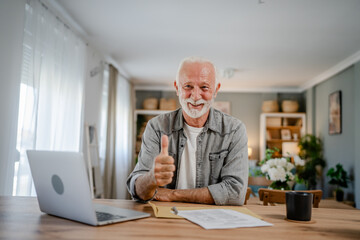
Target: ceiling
272,45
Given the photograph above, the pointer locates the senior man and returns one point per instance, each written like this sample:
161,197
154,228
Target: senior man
194,154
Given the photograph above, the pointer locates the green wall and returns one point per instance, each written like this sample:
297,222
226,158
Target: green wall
357,132
340,148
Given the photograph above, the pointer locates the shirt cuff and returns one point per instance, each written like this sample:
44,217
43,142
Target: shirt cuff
221,196
218,194
133,192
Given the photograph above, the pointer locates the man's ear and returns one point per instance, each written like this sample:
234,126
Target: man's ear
217,89
177,88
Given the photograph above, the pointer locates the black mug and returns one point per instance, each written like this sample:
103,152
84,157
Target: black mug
299,205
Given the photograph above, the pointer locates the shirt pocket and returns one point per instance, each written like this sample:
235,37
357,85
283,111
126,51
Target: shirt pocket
216,164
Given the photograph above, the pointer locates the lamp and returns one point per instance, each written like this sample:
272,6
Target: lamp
249,152
290,149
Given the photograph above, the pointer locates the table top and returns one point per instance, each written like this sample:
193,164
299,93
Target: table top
20,218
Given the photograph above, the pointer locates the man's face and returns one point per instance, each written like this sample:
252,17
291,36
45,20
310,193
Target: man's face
196,88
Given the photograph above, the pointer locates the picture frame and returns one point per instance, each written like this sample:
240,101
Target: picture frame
285,134
335,118
222,106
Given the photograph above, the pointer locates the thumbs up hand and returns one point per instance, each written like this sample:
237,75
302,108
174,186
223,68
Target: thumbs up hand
164,167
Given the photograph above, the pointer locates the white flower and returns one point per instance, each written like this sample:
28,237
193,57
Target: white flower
281,162
271,163
264,168
298,161
291,176
289,166
278,169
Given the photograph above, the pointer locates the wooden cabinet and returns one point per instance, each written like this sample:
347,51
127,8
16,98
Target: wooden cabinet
281,130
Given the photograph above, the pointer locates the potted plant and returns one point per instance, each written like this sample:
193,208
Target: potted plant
257,179
278,170
300,183
339,178
311,151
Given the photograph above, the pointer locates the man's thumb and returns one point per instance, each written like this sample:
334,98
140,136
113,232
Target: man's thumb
164,145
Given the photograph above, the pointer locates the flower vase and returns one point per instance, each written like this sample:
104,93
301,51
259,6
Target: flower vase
279,185
300,187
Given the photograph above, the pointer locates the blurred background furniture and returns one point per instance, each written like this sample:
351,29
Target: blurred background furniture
278,196
257,182
279,128
247,196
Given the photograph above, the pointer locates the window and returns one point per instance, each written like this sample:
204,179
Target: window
51,91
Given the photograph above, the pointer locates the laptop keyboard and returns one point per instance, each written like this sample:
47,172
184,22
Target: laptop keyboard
102,216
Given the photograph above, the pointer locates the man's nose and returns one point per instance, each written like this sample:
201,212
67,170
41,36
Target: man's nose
196,94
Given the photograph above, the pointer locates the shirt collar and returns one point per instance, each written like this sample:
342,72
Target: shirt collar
211,122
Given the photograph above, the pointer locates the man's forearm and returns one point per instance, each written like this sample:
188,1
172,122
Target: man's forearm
145,186
197,195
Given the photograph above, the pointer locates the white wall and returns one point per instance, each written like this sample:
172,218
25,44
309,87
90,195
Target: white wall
93,87
11,36
93,92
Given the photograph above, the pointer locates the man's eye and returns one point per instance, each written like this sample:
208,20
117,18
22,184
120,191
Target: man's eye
204,87
187,86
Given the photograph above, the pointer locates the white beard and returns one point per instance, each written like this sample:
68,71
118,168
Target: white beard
194,113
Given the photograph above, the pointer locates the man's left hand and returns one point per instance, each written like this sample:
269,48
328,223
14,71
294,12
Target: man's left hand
164,194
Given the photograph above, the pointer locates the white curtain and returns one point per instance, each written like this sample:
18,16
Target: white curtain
124,135
119,145
51,91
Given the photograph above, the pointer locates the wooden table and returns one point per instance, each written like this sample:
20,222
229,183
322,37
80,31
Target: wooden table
20,218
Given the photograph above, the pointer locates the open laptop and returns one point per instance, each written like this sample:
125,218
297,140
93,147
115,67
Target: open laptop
63,189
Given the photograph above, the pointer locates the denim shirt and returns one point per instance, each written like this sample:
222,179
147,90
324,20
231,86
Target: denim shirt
221,155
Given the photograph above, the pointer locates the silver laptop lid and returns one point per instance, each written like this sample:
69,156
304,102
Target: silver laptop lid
61,185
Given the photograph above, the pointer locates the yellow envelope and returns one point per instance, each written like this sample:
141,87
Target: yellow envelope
166,212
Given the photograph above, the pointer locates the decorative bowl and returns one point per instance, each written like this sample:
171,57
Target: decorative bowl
289,106
270,106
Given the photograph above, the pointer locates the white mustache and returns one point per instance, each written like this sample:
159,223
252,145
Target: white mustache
201,101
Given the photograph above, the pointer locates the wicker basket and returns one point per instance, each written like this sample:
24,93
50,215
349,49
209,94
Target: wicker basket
167,104
150,103
270,106
289,106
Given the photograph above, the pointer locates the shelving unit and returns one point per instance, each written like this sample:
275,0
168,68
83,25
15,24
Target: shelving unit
279,128
149,112
140,120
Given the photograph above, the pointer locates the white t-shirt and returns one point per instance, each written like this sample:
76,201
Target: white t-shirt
187,174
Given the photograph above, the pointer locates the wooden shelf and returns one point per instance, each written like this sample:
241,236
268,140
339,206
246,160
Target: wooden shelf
150,112
272,126
284,127
138,119
280,140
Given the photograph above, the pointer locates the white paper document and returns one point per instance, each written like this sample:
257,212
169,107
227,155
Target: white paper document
221,219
